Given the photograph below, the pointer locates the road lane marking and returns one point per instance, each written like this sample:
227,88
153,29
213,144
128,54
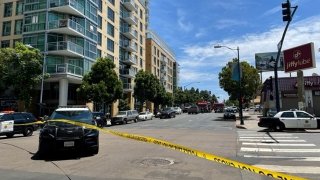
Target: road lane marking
245,149
284,157
281,140
276,144
269,137
292,169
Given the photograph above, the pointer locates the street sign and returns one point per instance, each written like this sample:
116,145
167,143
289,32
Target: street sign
267,61
299,58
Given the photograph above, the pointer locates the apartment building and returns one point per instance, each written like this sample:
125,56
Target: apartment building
161,62
71,34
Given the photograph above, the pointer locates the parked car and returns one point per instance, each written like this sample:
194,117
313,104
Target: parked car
167,113
185,109
229,114
100,118
10,123
290,119
56,136
178,110
145,116
194,110
124,117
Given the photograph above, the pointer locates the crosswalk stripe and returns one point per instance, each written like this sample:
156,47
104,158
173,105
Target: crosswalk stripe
245,134
292,169
245,149
275,144
272,137
284,157
272,141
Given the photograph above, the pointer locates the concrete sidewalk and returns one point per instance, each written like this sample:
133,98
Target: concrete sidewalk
250,120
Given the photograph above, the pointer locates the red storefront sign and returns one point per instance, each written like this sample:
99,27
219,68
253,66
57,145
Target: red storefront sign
298,58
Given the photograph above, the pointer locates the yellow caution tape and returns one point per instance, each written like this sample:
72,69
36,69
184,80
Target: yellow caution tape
190,151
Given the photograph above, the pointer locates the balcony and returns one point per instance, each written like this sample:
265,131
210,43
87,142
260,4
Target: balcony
129,46
67,6
127,87
129,60
65,48
58,71
66,26
128,73
129,32
163,60
129,18
129,4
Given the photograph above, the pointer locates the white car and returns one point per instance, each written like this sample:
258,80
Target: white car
178,110
290,119
145,116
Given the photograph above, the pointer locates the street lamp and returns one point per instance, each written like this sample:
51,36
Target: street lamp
42,79
239,78
184,87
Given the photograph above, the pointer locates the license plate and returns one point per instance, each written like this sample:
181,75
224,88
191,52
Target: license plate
68,143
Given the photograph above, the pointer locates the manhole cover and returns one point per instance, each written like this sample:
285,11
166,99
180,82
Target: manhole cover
157,162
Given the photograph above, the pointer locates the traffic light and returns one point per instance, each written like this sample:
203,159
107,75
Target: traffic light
286,11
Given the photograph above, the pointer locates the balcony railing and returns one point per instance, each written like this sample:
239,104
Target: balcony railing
129,32
68,48
127,87
128,72
76,7
129,46
64,69
62,24
129,4
129,17
129,59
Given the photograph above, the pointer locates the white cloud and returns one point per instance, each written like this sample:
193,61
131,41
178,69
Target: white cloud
197,57
182,22
225,23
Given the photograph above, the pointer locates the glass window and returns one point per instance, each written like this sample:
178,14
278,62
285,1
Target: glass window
287,114
7,9
141,27
141,51
100,5
141,40
5,43
141,15
110,29
18,26
111,14
141,62
110,45
110,57
6,28
100,22
99,38
111,1
303,115
19,8
99,53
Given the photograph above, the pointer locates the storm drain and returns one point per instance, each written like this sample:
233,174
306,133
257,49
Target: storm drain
156,162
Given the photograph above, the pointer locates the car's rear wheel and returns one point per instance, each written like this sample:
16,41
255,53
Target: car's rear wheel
136,120
28,131
278,127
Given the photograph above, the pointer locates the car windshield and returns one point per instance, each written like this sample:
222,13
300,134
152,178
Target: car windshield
122,113
81,116
166,109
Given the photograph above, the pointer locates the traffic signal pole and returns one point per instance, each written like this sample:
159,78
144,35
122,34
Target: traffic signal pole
286,17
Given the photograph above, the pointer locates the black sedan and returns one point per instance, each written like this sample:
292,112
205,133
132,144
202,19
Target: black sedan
167,113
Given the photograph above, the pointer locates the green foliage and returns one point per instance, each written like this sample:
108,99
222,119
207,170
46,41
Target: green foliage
192,96
123,105
249,83
101,84
21,69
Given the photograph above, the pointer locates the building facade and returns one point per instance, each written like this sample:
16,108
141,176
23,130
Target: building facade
161,62
72,34
288,93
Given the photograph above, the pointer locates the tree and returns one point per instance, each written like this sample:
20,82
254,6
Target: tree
21,69
250,81
146,87
101,85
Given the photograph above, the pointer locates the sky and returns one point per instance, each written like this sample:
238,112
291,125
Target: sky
192,28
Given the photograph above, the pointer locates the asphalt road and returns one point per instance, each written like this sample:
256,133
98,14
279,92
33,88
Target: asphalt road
125,159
